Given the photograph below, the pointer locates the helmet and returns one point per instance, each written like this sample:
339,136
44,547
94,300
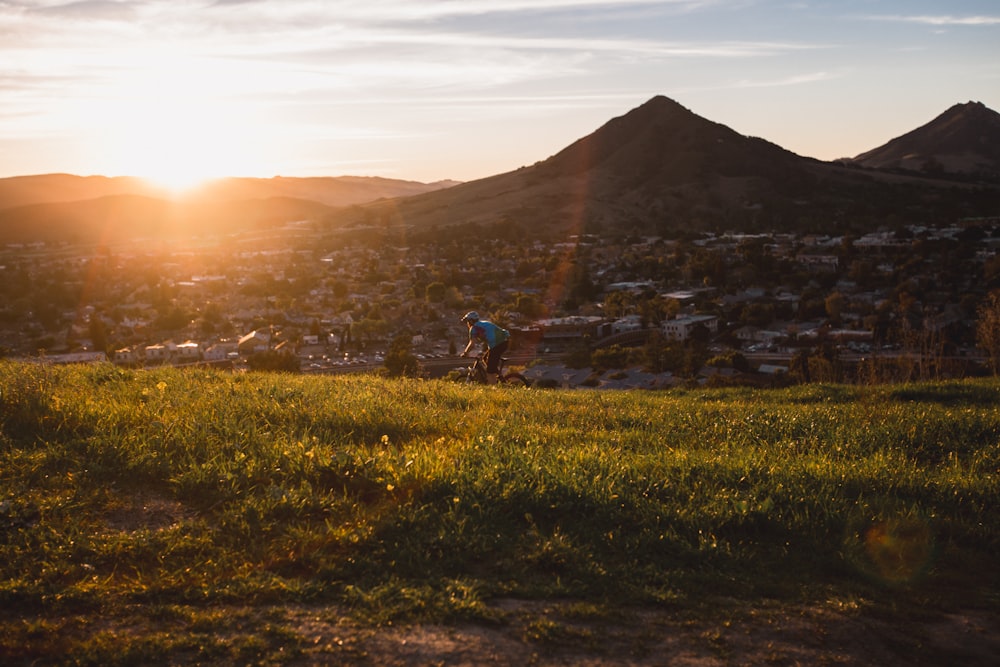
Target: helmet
471,316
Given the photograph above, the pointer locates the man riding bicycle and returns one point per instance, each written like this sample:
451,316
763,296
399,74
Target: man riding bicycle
494,337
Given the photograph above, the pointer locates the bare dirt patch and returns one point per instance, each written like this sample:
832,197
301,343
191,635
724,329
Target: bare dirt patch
521,634
546,635
145,511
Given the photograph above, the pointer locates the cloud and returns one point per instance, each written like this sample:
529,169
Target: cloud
795,80
91,10
940,20
312,52
408,10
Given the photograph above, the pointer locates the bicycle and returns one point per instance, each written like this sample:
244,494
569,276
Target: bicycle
476,374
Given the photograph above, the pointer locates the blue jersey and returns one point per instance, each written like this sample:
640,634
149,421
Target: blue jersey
489,332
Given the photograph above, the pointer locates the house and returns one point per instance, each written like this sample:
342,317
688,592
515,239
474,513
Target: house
569,329
818,263
157,353
681,328
633,287
127,356
254,342
747,333
219,352
187,352
71,358
625,324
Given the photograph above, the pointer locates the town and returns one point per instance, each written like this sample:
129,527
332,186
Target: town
902,302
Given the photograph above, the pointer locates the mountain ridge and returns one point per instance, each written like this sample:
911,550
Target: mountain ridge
54,207
658,168
963,140
331,190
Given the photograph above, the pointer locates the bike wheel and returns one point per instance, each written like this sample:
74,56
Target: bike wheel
475,376
516,380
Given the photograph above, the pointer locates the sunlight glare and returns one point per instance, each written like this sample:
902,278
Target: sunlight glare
176,128
178,148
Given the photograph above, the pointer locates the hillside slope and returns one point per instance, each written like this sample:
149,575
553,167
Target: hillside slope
64,207
118,218
661,168
963,140
187,516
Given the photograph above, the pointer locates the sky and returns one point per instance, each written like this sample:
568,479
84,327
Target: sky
425,90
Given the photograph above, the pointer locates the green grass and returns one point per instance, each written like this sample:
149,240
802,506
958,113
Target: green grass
405,499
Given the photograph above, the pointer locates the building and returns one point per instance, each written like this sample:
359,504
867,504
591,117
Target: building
567,330
187,352
254,342
681,328
127,356
157,354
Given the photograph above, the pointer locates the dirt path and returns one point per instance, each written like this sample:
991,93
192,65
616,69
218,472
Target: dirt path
542,635
521,634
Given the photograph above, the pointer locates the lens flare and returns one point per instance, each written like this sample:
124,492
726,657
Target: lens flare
893,545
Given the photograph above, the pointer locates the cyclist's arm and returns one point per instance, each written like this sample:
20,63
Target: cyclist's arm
468,347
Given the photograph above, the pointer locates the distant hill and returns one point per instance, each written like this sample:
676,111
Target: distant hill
56,207
661,168
118,218
50,188
331,191
964,140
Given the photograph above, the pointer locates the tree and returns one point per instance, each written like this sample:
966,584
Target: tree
368,329
98,333
436,292
615,356
834,305
798,367
578,355
173,319
988,329
529,306
618,304
399,360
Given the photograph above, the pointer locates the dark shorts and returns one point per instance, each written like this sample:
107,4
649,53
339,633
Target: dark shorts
493,357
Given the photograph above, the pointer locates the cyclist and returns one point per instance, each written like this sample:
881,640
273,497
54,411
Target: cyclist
494,337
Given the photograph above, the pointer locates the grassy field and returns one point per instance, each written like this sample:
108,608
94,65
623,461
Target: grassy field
173,494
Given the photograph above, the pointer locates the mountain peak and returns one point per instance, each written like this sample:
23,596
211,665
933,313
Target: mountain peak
652,134
965,139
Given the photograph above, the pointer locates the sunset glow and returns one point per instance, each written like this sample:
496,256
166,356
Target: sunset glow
181,91
177,144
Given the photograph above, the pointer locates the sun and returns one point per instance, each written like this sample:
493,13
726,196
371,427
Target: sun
179,151
176,180
179,178
175,131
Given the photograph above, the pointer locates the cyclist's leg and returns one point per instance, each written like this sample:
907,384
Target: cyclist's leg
493,358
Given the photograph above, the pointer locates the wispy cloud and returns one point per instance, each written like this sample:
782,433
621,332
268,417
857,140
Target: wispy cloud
407,10
795,80
256,48
378,75
939,20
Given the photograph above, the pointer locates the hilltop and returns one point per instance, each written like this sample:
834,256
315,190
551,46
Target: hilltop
663,169
660,169
962,141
